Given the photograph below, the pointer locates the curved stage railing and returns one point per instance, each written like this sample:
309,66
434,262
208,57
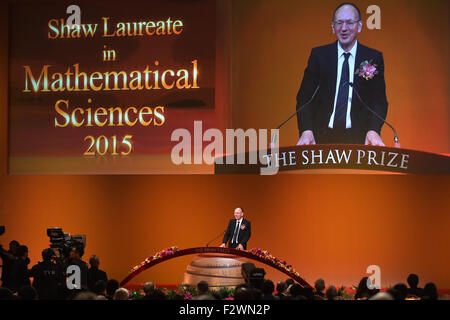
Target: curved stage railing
254,254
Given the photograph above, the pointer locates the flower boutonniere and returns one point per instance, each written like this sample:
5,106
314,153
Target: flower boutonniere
242,227
367,70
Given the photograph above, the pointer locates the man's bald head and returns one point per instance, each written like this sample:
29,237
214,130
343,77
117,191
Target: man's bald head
347,4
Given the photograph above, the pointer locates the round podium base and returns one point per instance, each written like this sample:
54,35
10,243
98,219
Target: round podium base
219,270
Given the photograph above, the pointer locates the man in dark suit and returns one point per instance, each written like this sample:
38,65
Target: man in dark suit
94,273
75,255
238,231
336,115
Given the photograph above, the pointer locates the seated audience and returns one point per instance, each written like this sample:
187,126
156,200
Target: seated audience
148,287
27,293
414,290
267,290
203,291
111,286
121,294
430,292
6,294
363,292
289,282
85,295
281,289
242,293
157,294
331,293
319,285
295,290
402,291
100,288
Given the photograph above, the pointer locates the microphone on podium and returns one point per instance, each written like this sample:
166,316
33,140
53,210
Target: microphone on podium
221,234
396,143
272,144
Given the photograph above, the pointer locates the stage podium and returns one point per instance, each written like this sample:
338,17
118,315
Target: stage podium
330,156
219,270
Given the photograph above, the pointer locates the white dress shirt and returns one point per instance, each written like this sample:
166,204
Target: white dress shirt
351,64
238,225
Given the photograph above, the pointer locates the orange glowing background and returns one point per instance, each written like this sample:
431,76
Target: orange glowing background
272,41
329,226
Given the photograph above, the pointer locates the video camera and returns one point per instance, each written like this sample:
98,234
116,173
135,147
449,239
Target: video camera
256,277
64,242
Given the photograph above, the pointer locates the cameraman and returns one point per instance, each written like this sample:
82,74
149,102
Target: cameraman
20,275
47,276
8,258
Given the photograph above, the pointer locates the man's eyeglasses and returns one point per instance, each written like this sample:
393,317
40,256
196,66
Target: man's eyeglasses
350,23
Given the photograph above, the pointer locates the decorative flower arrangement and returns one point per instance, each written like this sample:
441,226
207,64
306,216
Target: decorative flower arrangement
137,295
274,260
185,291
164,253
343,294
367,70
226,293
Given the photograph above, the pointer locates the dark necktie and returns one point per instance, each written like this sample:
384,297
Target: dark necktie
340,114
236,230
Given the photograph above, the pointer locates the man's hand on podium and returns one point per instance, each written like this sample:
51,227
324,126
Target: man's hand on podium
374,139
223,245
306,138
240,247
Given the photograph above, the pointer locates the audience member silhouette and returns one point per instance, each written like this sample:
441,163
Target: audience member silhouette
111,286
402,290
319,285
20,275
413,282
267,290
363,292
281,289
94,273
331,293
8,258
430,292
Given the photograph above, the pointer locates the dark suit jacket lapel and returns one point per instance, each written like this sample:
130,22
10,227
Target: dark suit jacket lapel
358,60
333,59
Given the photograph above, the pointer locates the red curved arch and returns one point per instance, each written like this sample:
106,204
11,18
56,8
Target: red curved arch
247,254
